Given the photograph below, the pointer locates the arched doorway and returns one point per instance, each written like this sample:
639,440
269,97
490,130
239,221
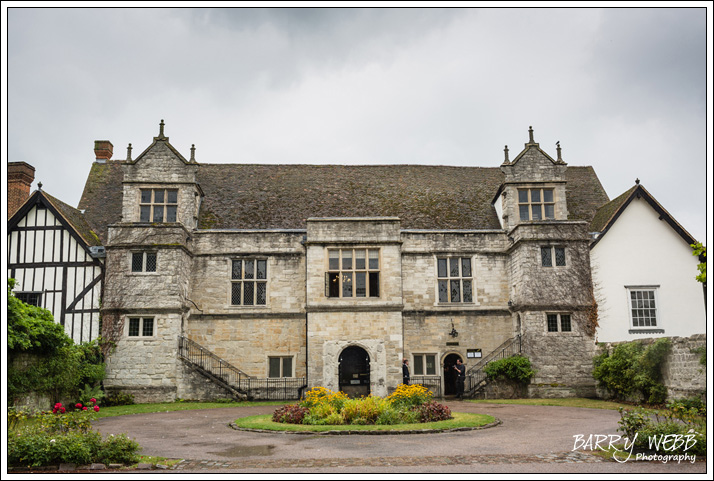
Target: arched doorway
450,374
354,372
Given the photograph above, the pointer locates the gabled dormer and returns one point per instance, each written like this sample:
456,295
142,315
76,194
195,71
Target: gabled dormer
534,187
160,185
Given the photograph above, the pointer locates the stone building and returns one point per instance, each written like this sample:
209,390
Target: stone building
332,274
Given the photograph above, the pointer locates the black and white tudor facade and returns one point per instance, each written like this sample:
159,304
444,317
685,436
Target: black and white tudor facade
57,262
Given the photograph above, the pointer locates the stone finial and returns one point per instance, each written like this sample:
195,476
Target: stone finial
505,150
557,148
637,181
128,152
193,153
530,135
39,186
161,129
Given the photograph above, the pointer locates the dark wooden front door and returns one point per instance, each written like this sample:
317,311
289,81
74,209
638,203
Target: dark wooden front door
354,372
450,374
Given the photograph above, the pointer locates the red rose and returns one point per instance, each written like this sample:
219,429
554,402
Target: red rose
78,405
93,400
84,408
96,409
62,410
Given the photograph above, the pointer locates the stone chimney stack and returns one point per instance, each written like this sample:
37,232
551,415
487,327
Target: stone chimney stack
19,179
103,150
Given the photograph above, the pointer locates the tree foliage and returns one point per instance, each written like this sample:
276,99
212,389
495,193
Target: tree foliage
700,251
32,328
633,370
60,367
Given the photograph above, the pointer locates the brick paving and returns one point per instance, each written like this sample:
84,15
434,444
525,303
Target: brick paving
568,457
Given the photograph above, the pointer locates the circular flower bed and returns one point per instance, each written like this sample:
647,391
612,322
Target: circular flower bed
408,404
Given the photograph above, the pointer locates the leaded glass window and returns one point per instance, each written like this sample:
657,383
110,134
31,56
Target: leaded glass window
143,261
552,255
141,327
249,282
454,279
559,322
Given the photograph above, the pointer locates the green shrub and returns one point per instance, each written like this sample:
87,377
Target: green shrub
31,328
515,369
36,447
118,449
633,370
390,416
647,427
60,367
119,399
91,395
368,408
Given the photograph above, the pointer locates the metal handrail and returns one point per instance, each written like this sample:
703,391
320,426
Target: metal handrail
477,375
432,383
209,362
498,353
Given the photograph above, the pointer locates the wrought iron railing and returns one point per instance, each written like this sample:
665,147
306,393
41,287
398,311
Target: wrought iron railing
432,383
476,376
230,377
272,389
204,359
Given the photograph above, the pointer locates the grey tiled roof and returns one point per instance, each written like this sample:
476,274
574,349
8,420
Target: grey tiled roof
250,196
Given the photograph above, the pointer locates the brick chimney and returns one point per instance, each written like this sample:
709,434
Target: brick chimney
19,179
103,150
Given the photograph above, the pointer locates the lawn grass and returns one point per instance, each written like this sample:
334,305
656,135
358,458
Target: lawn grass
460,420
573,402
177,406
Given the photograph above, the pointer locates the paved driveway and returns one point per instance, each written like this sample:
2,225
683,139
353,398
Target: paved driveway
530,439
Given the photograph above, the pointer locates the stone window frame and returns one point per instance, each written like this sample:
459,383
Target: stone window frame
151,204
553,253
343,272
144,262
423,356
558,323
141,327
281,359
654,290
449,279
243,281
529,202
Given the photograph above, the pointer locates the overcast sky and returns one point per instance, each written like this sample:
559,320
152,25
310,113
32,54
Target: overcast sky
623,90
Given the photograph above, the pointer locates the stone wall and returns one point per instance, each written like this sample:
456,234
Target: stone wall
30,401
562,360
682,373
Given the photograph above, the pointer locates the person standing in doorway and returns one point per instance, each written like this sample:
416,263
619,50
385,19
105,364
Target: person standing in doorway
460,378
405,371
